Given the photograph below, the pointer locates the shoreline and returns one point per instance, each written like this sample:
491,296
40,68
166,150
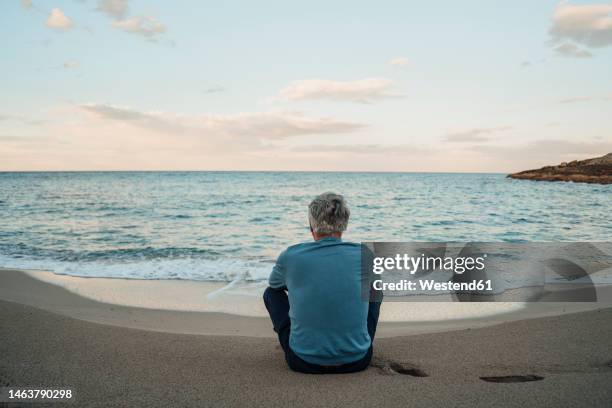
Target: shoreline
54,293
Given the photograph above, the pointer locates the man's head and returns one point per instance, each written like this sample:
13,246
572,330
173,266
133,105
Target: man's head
328,215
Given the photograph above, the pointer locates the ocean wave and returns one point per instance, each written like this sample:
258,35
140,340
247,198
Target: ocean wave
210,270
21,250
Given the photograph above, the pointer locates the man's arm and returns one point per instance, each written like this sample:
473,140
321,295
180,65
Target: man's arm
277,277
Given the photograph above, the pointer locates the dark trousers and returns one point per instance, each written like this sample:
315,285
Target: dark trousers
277,303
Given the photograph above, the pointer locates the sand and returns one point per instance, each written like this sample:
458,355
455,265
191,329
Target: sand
48,337
174,306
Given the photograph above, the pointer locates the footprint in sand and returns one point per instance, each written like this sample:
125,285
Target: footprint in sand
513,378
390,367
531,377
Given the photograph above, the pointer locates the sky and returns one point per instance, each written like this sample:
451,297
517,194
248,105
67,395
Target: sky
437,86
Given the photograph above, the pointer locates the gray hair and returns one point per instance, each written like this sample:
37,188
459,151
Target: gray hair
328,213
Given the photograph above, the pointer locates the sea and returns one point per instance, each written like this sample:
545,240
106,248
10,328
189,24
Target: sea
231,226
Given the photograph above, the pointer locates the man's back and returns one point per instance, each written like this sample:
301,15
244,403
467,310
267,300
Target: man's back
328,316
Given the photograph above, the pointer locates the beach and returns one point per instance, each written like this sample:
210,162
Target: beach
419,190
113,355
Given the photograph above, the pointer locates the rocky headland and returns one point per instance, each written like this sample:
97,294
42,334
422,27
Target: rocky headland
596,170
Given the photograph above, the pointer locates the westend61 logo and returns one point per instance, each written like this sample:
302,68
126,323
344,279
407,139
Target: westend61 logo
515,272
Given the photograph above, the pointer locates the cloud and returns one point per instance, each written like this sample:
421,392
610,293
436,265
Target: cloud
114,8
214,89
145,26
579,99
475,135
103,136
67,65
142,25
589,24
399,62
363,90
361,149
70,64
58,20
535,154
153,121
571,51
21,119
26,4
22,139
532,63
554,150
8,117
265,125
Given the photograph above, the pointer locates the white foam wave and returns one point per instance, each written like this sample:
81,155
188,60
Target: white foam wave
211,270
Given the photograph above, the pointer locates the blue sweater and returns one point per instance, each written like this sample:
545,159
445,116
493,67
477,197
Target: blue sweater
328,316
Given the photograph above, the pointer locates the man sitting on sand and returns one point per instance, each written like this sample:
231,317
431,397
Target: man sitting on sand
314,298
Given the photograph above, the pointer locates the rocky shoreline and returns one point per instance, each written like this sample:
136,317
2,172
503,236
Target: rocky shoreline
597,170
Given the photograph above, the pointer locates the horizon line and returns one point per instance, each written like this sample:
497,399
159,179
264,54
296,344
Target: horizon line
251,171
